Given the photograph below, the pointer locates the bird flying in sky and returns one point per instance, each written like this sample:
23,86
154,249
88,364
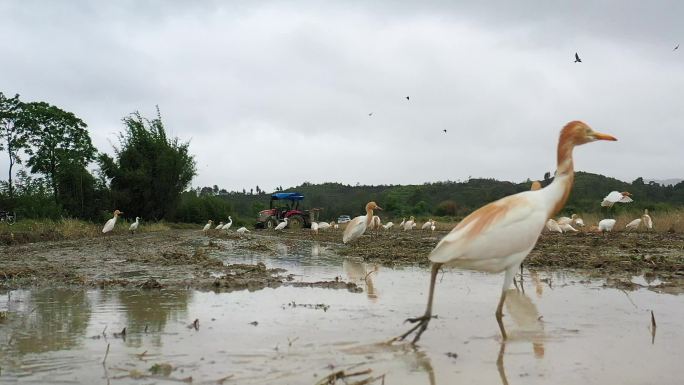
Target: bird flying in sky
676,47
407,98
444,131
577,58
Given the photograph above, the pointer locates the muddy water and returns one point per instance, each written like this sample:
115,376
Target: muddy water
565,329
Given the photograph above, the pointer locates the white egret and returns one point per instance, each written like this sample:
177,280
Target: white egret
633,225
615,197
648,222
376,223
567,227
357,226
219,226
606,225
426,225
227,225
410,224
388,225
242,230
314,227
401,225
553,226
566,220
207,226
324,225
281,225
498,236
109,225
134,226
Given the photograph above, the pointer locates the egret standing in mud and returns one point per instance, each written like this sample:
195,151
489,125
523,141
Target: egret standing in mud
357,226
606,225
227,225
219,227
134,225
109,225
281,225
498,236
207,226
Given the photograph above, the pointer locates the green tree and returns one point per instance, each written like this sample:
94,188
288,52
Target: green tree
150,170
12,138
58,139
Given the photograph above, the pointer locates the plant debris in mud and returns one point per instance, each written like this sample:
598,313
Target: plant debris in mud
345,377
320,306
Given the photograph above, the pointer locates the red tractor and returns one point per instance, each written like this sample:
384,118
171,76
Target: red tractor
284,205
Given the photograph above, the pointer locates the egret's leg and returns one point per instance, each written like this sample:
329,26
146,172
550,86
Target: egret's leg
422,322
508,279
499,314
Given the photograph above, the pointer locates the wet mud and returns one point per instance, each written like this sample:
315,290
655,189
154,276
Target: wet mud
187,258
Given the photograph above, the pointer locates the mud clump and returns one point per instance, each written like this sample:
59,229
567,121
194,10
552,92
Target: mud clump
349,286
247,277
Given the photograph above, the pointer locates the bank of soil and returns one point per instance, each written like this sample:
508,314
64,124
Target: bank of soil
189,258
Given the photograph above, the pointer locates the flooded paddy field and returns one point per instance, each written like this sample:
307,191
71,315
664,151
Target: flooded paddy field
307,308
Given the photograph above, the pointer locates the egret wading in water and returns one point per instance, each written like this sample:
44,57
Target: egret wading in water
109,225
134,225
357,226
498,236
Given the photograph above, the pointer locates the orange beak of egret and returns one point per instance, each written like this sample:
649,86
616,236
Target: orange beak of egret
600,136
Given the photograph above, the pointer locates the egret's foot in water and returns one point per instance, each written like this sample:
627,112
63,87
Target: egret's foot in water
421,326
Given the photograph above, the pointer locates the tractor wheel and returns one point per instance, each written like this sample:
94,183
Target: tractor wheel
271,223
295,222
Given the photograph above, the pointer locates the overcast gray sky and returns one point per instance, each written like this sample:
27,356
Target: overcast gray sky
277,93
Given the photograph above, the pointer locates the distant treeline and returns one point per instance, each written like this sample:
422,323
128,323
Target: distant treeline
446,199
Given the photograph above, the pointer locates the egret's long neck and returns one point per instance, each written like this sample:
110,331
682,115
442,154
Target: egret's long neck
369,216
558,192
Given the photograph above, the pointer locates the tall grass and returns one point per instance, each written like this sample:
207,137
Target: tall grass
28,230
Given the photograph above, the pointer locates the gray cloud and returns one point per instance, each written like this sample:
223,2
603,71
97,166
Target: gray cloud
275,93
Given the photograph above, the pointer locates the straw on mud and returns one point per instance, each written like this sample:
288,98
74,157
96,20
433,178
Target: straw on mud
220,381
106,354
340,374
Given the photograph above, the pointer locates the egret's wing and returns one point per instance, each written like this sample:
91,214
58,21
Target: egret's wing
626,199
564,220
553,226
485,238
355,228
633,224
614,196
